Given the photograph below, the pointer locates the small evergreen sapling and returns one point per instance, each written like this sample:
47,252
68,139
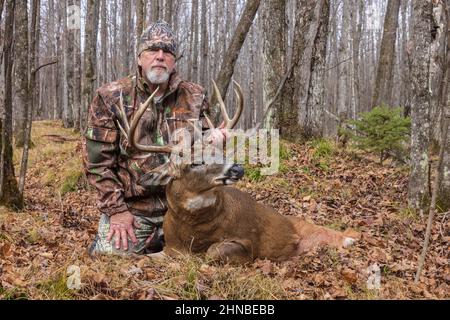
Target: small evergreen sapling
382,130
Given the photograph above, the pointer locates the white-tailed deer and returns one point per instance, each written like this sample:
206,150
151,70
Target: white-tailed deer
207,215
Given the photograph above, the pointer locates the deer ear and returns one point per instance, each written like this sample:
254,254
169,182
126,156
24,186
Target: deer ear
155,178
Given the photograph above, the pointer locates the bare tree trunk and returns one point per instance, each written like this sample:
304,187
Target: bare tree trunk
344,68
9,193
77,76
104,41
90,54
440,174
204,44
140,19
168,11
443,195
418,195
288,119
313,125
22,70
114,47
357,32
274,52
385,73
34,53
67,51
154,11
124,38
232,53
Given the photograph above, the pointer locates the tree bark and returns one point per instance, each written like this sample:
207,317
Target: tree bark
232,53
140,19
204,44
274,53
344,68
34,53
289,118
418,194
22,70
90,54
154,11
168,11
313,125
386,61
124,39
104,38
9,193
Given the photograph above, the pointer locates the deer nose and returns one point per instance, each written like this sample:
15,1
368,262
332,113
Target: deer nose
236,171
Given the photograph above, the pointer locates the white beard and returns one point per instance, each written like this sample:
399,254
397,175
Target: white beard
157,77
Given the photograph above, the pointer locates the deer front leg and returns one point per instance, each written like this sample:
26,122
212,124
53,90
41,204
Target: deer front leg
235,251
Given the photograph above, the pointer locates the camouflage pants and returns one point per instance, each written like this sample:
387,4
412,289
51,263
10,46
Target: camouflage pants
148,226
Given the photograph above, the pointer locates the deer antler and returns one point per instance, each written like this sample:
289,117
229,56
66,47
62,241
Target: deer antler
130,130
228,123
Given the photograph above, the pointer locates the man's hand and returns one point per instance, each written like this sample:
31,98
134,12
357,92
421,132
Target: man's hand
121,226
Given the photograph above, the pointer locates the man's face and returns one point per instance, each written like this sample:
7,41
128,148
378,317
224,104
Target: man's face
157,65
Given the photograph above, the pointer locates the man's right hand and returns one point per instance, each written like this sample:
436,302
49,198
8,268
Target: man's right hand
121,226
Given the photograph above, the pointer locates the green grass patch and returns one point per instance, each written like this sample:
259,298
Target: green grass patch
186,280
71,180
253,173
323,151
12,294
56,288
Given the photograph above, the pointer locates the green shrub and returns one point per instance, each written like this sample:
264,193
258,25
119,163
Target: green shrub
382,130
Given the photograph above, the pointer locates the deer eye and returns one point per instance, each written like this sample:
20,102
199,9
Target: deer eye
194,165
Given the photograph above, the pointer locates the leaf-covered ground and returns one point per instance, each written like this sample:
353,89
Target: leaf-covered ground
333,188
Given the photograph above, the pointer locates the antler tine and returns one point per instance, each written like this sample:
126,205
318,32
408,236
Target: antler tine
221,103
132,131
239,106
123,117
208,120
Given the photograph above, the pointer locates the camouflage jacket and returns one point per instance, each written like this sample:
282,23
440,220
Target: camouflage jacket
112,166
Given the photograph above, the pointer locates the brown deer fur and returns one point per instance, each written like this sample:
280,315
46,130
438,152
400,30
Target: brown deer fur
228,224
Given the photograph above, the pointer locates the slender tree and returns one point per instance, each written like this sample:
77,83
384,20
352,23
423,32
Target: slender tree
385,72
9,193
274,53
90,54
232,53
22,70
316,89
418,194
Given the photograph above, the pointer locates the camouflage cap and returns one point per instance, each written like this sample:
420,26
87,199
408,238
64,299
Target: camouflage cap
158,36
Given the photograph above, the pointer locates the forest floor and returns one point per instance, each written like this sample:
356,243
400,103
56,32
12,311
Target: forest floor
338,189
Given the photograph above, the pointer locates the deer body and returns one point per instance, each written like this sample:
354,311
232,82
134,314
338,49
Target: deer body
206,215
233,227
230,216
